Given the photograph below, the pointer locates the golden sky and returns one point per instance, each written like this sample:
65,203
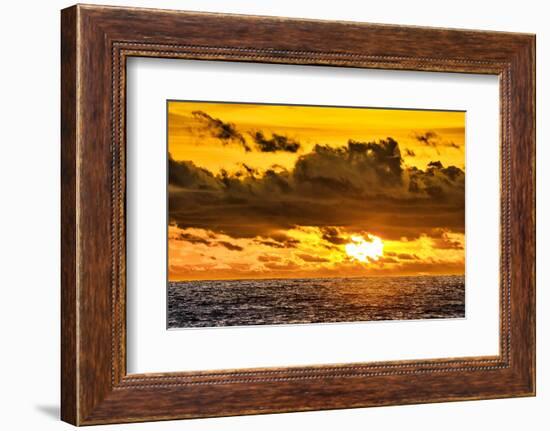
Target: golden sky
272,191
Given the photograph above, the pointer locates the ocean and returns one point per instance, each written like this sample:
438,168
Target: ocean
215,303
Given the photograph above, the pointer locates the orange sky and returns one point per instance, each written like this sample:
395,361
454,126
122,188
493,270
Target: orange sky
271,191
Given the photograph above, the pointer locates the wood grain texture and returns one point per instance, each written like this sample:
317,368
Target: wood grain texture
96,41
69,367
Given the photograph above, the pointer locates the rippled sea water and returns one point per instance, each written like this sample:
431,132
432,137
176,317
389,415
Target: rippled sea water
321,300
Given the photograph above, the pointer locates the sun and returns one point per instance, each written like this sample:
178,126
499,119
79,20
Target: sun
365,250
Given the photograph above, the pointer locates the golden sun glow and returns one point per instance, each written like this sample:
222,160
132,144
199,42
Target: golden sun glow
363,250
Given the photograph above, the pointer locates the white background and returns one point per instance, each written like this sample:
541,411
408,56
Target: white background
151,348
29,227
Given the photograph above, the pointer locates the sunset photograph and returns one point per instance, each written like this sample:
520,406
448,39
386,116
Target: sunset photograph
298,214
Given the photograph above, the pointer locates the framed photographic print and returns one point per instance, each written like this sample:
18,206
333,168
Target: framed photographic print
266,215
292,220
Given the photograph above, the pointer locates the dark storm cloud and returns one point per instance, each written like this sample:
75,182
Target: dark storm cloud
193,239
357,171
437,181
432,139
287,241
225,132
429,138
186,174
275,143
229,133
248,170
442,239
230,246
278,240
332,235
361,187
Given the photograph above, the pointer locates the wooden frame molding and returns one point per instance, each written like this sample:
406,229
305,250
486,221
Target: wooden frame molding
95,43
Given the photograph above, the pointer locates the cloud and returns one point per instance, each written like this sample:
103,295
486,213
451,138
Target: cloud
248,170
278,240
362,186
437,181
196,239
332,235
275,143
269,258
312,259
384,259
288,266
271,243
186,174
230,246
193,239
225,132
432,139
281,238
228,133
429,138
444,239
351,168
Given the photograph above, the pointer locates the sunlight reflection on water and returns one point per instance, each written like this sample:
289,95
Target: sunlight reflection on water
292,301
